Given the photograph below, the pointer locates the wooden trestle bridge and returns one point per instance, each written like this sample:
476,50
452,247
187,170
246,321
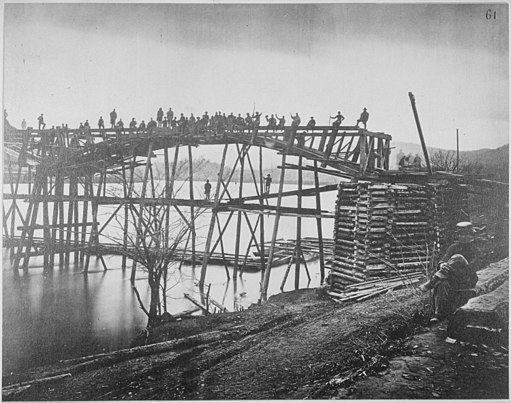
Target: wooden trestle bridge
68,173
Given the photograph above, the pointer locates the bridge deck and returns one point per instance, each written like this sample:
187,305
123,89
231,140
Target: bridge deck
348,150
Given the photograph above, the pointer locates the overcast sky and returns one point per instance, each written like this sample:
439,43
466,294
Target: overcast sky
78,61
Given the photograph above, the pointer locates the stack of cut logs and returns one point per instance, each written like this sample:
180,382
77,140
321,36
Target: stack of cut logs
451,208
385,236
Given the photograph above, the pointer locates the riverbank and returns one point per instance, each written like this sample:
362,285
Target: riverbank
297,345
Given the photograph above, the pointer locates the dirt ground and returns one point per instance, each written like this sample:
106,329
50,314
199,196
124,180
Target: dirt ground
297,345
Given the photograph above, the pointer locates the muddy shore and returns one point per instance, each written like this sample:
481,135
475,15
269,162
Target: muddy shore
297,345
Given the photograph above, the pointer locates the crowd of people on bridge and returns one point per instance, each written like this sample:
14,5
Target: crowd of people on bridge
179,124
195,124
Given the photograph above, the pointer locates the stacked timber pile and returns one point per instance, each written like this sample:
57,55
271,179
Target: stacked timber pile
451,208
385,237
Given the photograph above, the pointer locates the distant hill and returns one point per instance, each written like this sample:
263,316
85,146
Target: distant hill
493,163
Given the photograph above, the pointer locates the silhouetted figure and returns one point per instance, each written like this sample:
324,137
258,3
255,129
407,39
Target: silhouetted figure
159,117
296,121
101,123
113,118
42,125
207,189
338,120
151,125
417,161
282,122
272,122
311,124
141,126
267,183
364,117
23,124
133,125
170,115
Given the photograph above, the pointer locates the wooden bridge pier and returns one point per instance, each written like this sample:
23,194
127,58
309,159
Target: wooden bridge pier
70,184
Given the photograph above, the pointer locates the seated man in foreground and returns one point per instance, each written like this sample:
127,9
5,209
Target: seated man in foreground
451,286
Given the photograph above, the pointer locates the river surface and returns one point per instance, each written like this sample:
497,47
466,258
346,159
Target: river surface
63,313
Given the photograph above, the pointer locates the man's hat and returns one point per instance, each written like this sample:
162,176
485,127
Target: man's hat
465,228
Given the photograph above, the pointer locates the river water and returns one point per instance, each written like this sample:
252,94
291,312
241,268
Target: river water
61,314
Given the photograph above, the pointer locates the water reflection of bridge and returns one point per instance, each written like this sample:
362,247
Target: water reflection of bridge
68,181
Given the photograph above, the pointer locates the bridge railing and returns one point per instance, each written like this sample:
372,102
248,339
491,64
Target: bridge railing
349,145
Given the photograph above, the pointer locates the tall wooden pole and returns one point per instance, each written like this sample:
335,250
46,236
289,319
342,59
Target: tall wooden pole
266,280
319,224
238,225
419,129
85,214
213,219
93,239
261,202
48,248
55,217
299,226
72,180
192,211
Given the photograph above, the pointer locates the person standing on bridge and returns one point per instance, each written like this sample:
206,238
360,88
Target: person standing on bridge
282,122
113,118
207,190
101,123
159,117
88,134
133,125
151,125
257,120
170,115
338,120
296,121
23,124
240,123
312,124
42,125
248,121
181,123
267,183
364,117
272,122
141,127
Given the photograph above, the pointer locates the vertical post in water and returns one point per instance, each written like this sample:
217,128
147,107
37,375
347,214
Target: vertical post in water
48,247
299,226
213,219
319,224
85,207
72,179
238,224
261,215
192,211
266,280
167,208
